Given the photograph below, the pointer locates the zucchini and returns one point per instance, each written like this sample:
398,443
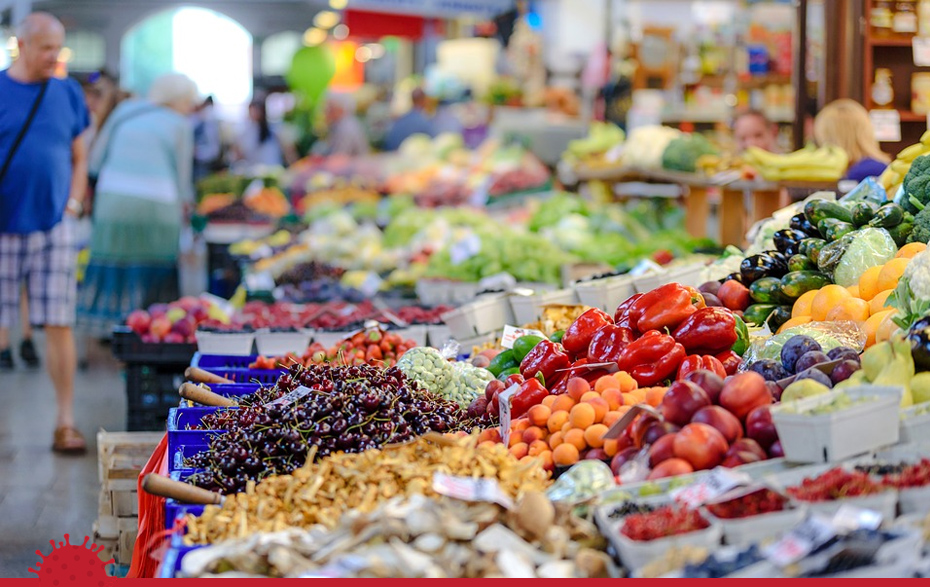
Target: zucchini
797,283
766,291
888,216
900,233
758,313
813,250
833,229
863,212
801,263
779,316
817,210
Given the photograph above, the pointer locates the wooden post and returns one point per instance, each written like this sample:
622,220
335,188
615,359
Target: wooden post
696,211
732,216
764,204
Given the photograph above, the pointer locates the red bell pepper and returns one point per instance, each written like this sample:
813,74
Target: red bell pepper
664,308
707,331
531,393
622,315
697,362
546,358
730,361
608,343
652,359
578,336
578,369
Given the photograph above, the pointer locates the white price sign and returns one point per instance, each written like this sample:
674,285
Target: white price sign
291,397
716,483
465,249
887,125
921,48
802,540
512,333
471,489
504,400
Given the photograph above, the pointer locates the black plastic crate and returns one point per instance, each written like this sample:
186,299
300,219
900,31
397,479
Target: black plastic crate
151,390
128,347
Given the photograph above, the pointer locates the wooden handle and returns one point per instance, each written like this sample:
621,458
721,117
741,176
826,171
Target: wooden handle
162,486
204,396
198,375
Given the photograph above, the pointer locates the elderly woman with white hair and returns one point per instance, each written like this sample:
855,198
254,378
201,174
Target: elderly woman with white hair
142,162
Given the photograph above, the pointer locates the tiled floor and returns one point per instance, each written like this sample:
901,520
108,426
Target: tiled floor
43,495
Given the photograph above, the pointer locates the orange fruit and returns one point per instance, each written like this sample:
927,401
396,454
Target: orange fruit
556,421
654,395
490,434
611,417
629,399
887,328
868,283
562,403
626,381
538,415
582,415
536,447
534,433
546,458
611,446
909,250
487,444
565,455
577,387
622,410
791,323
519,424
826,299
590,395
519,450
516,437
850,309
594,435
802,306
601,407
613,397
605,382
555,439
853,290
878,302
891,272
565,428
575,437
549,400
871,326
640,395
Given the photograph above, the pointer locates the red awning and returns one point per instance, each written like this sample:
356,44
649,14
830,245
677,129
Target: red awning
366,24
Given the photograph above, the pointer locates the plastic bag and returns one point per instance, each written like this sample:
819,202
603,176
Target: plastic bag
868,190
829,334
582,482
869,247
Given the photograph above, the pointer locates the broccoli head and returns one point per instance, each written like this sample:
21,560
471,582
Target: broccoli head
917,184
921,232
682,153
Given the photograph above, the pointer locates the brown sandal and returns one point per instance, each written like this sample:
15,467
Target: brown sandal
69,440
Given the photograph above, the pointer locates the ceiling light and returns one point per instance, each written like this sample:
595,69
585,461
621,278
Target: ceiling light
314,36
326,19
338,4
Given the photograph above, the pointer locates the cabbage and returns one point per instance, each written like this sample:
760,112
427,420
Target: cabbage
870,247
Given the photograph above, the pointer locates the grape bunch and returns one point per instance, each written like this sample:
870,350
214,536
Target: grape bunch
350,409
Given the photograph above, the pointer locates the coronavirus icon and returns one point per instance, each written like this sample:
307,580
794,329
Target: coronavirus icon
72,563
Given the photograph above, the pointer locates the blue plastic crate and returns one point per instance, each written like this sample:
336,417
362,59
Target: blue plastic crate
208,362
173,508
182,453
236,368
233,390
180,420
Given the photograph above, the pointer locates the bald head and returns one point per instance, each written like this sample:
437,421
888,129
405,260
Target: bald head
40,37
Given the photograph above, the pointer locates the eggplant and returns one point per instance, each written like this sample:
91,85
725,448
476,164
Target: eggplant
919,336
761,265
788,241
780,258
736,276
800,222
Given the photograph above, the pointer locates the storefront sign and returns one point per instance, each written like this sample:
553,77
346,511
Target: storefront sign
887,125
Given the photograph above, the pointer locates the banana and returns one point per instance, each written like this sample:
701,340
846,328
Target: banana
925,138
900,167
908,154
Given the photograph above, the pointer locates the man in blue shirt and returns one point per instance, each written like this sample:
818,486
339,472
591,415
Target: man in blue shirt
41,120
413,122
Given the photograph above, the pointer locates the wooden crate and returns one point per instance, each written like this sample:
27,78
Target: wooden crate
124,503
121,456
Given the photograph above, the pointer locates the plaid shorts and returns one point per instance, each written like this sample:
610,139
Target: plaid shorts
45,262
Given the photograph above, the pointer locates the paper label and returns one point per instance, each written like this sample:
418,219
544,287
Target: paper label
504,401
512,333
587,367
471,489
291,397
259,281
465,249
371,284
719,481
617,428
800,541
921,48
849,519
887,125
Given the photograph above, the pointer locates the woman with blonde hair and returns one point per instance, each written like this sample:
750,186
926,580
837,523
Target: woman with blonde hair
846,124
142,160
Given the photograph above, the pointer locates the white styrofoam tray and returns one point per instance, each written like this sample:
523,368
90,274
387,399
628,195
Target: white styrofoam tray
225,343
915,427
841,434
482,316
607,293
689,274
914,500
272,344
746,531
437,335
528,309
329,338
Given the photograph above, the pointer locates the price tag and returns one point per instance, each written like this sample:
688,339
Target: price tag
348,310
512,333
465,249
849,518
259,281
617,428
719,481
479,195
371,284
588,367
471,489
291,397
887,125
921,48
504,401
800,541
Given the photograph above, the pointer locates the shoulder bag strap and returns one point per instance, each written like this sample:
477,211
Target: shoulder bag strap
22,131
